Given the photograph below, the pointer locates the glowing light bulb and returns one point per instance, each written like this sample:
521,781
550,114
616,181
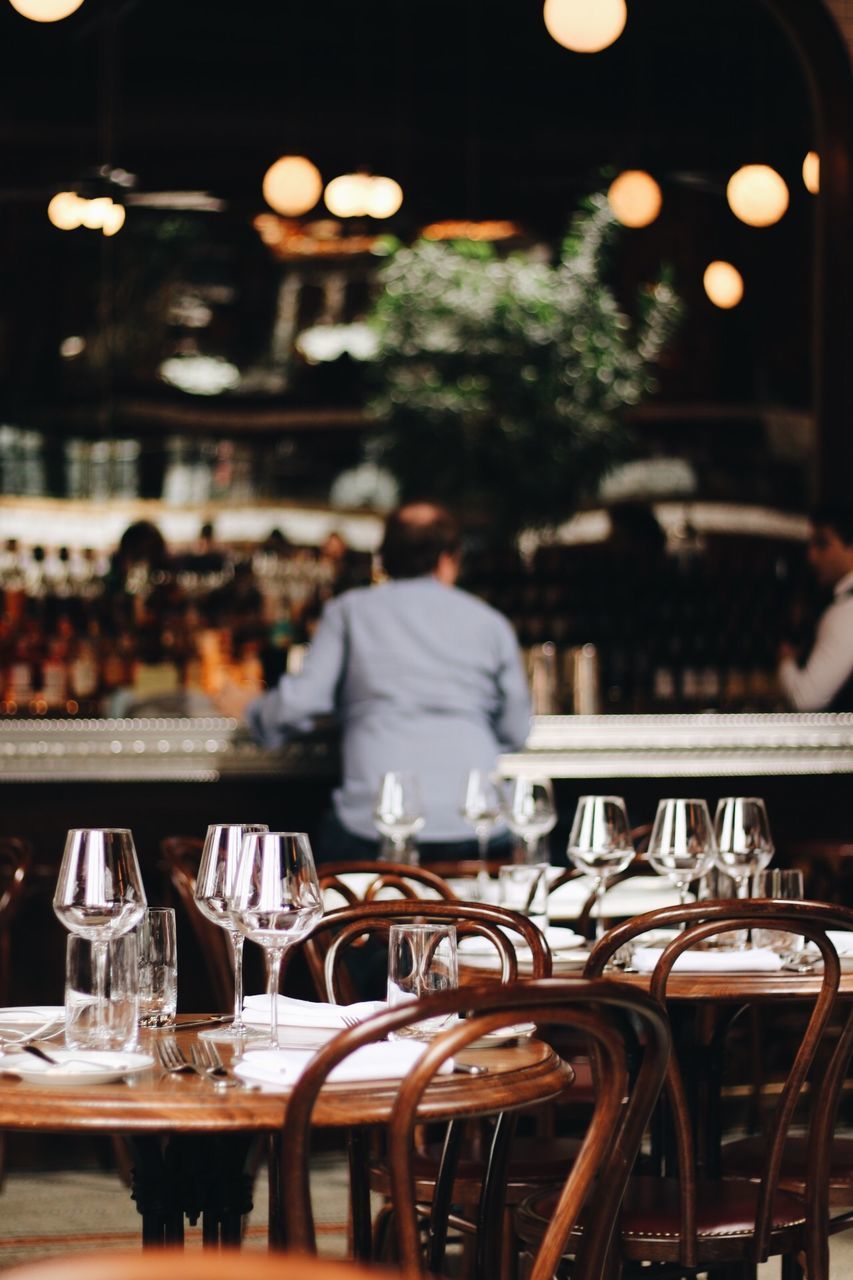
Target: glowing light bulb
585,26
757,195
292,186
348,196
385,197
66,210
635,198
723,284
45,10
811,172
113,219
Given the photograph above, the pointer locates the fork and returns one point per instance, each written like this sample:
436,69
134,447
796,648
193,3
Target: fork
173,1060
207,1060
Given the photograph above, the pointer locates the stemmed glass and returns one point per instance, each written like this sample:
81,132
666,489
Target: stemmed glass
530,813
276,899
214,887
682,845
744,845
600,843
481,808
99,895
398,814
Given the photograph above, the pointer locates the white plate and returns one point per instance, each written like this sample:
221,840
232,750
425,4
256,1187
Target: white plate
31,1015
78,1066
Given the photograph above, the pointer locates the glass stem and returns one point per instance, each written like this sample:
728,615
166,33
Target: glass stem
274,955
99,958
599,890
237,941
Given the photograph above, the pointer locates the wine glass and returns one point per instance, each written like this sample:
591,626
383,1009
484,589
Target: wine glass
530,813
276,899
398,814
214,887
481,808
99,896
682,844
744,845
600,843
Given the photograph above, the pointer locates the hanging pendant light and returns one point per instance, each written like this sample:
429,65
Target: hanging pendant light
811,172
723,284
363,195
585,26
45,10
635,198
757,195
292,186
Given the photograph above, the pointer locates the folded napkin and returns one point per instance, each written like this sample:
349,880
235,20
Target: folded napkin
386,1060
841,940
758,960
308,1013
558,940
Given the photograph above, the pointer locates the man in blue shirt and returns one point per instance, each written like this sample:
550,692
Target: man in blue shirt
423,678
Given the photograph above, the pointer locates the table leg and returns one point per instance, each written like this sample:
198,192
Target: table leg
198,1176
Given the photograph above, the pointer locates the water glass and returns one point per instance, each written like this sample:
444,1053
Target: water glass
96,1017
398,816
782,885
422,961
524,888
158,968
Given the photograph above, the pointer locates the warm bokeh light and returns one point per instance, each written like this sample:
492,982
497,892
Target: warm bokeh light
45,10
360,195
635,198
757,195
811,172
66,210
585,26
96,212
723,284
384,197
113,219
292,185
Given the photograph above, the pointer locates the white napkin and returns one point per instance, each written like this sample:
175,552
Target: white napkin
558,939
841,940
308,1013
758,960
32,1014
386,1060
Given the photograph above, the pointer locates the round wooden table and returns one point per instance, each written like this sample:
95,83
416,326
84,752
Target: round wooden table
191,1140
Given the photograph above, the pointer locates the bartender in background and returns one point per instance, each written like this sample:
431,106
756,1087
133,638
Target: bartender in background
825,681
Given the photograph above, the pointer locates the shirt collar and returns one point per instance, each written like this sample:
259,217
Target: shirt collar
843,585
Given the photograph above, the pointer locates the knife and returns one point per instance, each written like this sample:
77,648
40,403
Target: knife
214,1021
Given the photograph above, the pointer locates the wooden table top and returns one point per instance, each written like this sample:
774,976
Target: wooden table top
154,1102
725,988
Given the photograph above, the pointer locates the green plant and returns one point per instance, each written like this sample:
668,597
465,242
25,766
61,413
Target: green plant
500,383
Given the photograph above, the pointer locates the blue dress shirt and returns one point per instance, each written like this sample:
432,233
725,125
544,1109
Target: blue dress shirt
422,677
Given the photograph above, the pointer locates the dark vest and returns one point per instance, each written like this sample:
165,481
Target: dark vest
843,700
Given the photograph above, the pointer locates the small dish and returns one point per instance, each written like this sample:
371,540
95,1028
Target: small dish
77,1067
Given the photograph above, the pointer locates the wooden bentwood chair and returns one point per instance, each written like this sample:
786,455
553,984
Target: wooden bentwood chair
610,1014
384,880
180,859
686,1214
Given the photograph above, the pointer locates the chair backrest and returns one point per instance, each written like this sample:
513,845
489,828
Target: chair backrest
609,1013
15,861
326,946
180,1264
366,881
181,856
705,920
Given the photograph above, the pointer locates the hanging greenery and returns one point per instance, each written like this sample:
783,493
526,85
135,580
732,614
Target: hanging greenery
501,383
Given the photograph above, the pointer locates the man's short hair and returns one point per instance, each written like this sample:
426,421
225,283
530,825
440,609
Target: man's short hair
837,516
416,537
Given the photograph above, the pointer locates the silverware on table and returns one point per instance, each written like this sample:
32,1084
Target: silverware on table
206,1057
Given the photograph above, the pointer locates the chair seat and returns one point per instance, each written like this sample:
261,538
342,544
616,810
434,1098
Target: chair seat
650,1217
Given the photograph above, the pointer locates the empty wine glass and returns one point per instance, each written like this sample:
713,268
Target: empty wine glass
99,895
530,813
276,899
600,844
744,845
682,844
481,808
398,814
214,887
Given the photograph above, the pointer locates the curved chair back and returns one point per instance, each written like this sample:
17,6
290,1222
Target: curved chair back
181,856
15,861
367,881
608,1013
326,946
704,920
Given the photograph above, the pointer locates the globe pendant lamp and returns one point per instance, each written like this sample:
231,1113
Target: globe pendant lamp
723,284
635,198
585,26
45,10
757,194
292,186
